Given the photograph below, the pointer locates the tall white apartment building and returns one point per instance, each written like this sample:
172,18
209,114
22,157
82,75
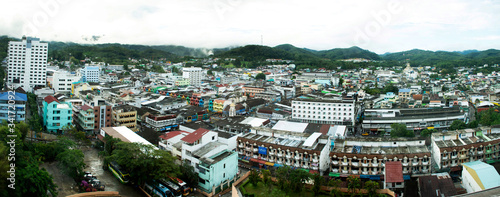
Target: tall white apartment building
194,74
61,81
90,73
27,63
324,111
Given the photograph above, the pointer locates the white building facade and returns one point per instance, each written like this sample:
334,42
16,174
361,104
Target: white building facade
193,74
61,81
27,63
90,73
324,111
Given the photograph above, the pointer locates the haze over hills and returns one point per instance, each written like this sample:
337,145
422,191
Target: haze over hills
117,53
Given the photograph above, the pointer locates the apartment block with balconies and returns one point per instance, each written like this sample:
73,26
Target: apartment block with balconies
452,148
125,116
324,111
84,118
306,151
367,156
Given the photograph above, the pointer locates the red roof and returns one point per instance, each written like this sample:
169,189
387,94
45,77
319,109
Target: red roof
50,99
393,172
324,129
195,135
86,107
123,95
172,134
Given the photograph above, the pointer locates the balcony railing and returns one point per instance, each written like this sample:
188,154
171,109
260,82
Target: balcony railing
444,158
453,156
415,163
364,164
241,146
255,150
271,160
335,162
279,155
425,171
305,166
405,164
345,163
480,152
374,172
271,153
315,160
345,171
364,172
375,164
297,157
255,156
248,148
279,162
314,168
425,163
355,164
334,170
454,164
463,156
355,172
297,165
405,171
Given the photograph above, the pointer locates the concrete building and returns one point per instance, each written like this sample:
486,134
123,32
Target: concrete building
27,63
90,73
163,123
19,108
62,81
56,114
278,148
84,118
125,115
368,156
193,74
124,134
453,148
477,176
217,169
324,111
415,118
393,176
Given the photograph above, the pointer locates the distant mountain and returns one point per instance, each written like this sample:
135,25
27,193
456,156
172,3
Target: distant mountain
288,51
466,52
437,58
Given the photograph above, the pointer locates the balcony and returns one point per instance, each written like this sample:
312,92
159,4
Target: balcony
425,163
444,158
405,171
314,168
355,171
375,164
279,162
454,164
279,155
445,165
297,157
271,153
241,146
271,160
335,170
480,152
306,159
240,152
383,164
364,172
305,166
345,163
315,160
374,172
453,156
488,151
255,150
425,171
463,156
288,163
247,148
255,156
297,165
335,162
364,164
355,164
415,163
288,156
345,171
405,164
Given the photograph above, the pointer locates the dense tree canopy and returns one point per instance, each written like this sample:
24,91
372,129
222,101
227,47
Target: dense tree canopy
399,130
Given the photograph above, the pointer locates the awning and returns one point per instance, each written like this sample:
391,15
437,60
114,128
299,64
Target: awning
364,176
269,164
313,172
430,127
344,175
375,178
406,177
278,165
332,174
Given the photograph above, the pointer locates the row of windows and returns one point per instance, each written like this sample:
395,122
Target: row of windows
23,45
324,113
322,104
319,117
62,89
324,108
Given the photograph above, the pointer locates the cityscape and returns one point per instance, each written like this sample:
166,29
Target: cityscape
240,113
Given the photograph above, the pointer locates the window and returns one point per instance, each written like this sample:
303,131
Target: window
224,165
213,138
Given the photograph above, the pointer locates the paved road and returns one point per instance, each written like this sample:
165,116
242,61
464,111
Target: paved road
94,165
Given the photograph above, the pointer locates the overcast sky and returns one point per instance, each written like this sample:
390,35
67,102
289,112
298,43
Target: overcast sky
379,26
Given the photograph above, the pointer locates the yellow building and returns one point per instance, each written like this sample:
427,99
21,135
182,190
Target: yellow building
125,116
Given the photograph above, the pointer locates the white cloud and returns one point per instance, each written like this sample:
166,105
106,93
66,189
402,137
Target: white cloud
322,24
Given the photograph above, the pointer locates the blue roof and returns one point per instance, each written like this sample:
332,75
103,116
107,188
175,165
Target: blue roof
487,173
404,90
4,96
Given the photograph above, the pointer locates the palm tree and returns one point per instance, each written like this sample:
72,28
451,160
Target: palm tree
353,183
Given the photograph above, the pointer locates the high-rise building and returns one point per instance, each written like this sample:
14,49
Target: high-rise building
193,74
27,63
90,73
61,81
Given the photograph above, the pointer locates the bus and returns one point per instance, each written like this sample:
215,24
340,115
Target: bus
176,189
122,176
157,189
186,190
